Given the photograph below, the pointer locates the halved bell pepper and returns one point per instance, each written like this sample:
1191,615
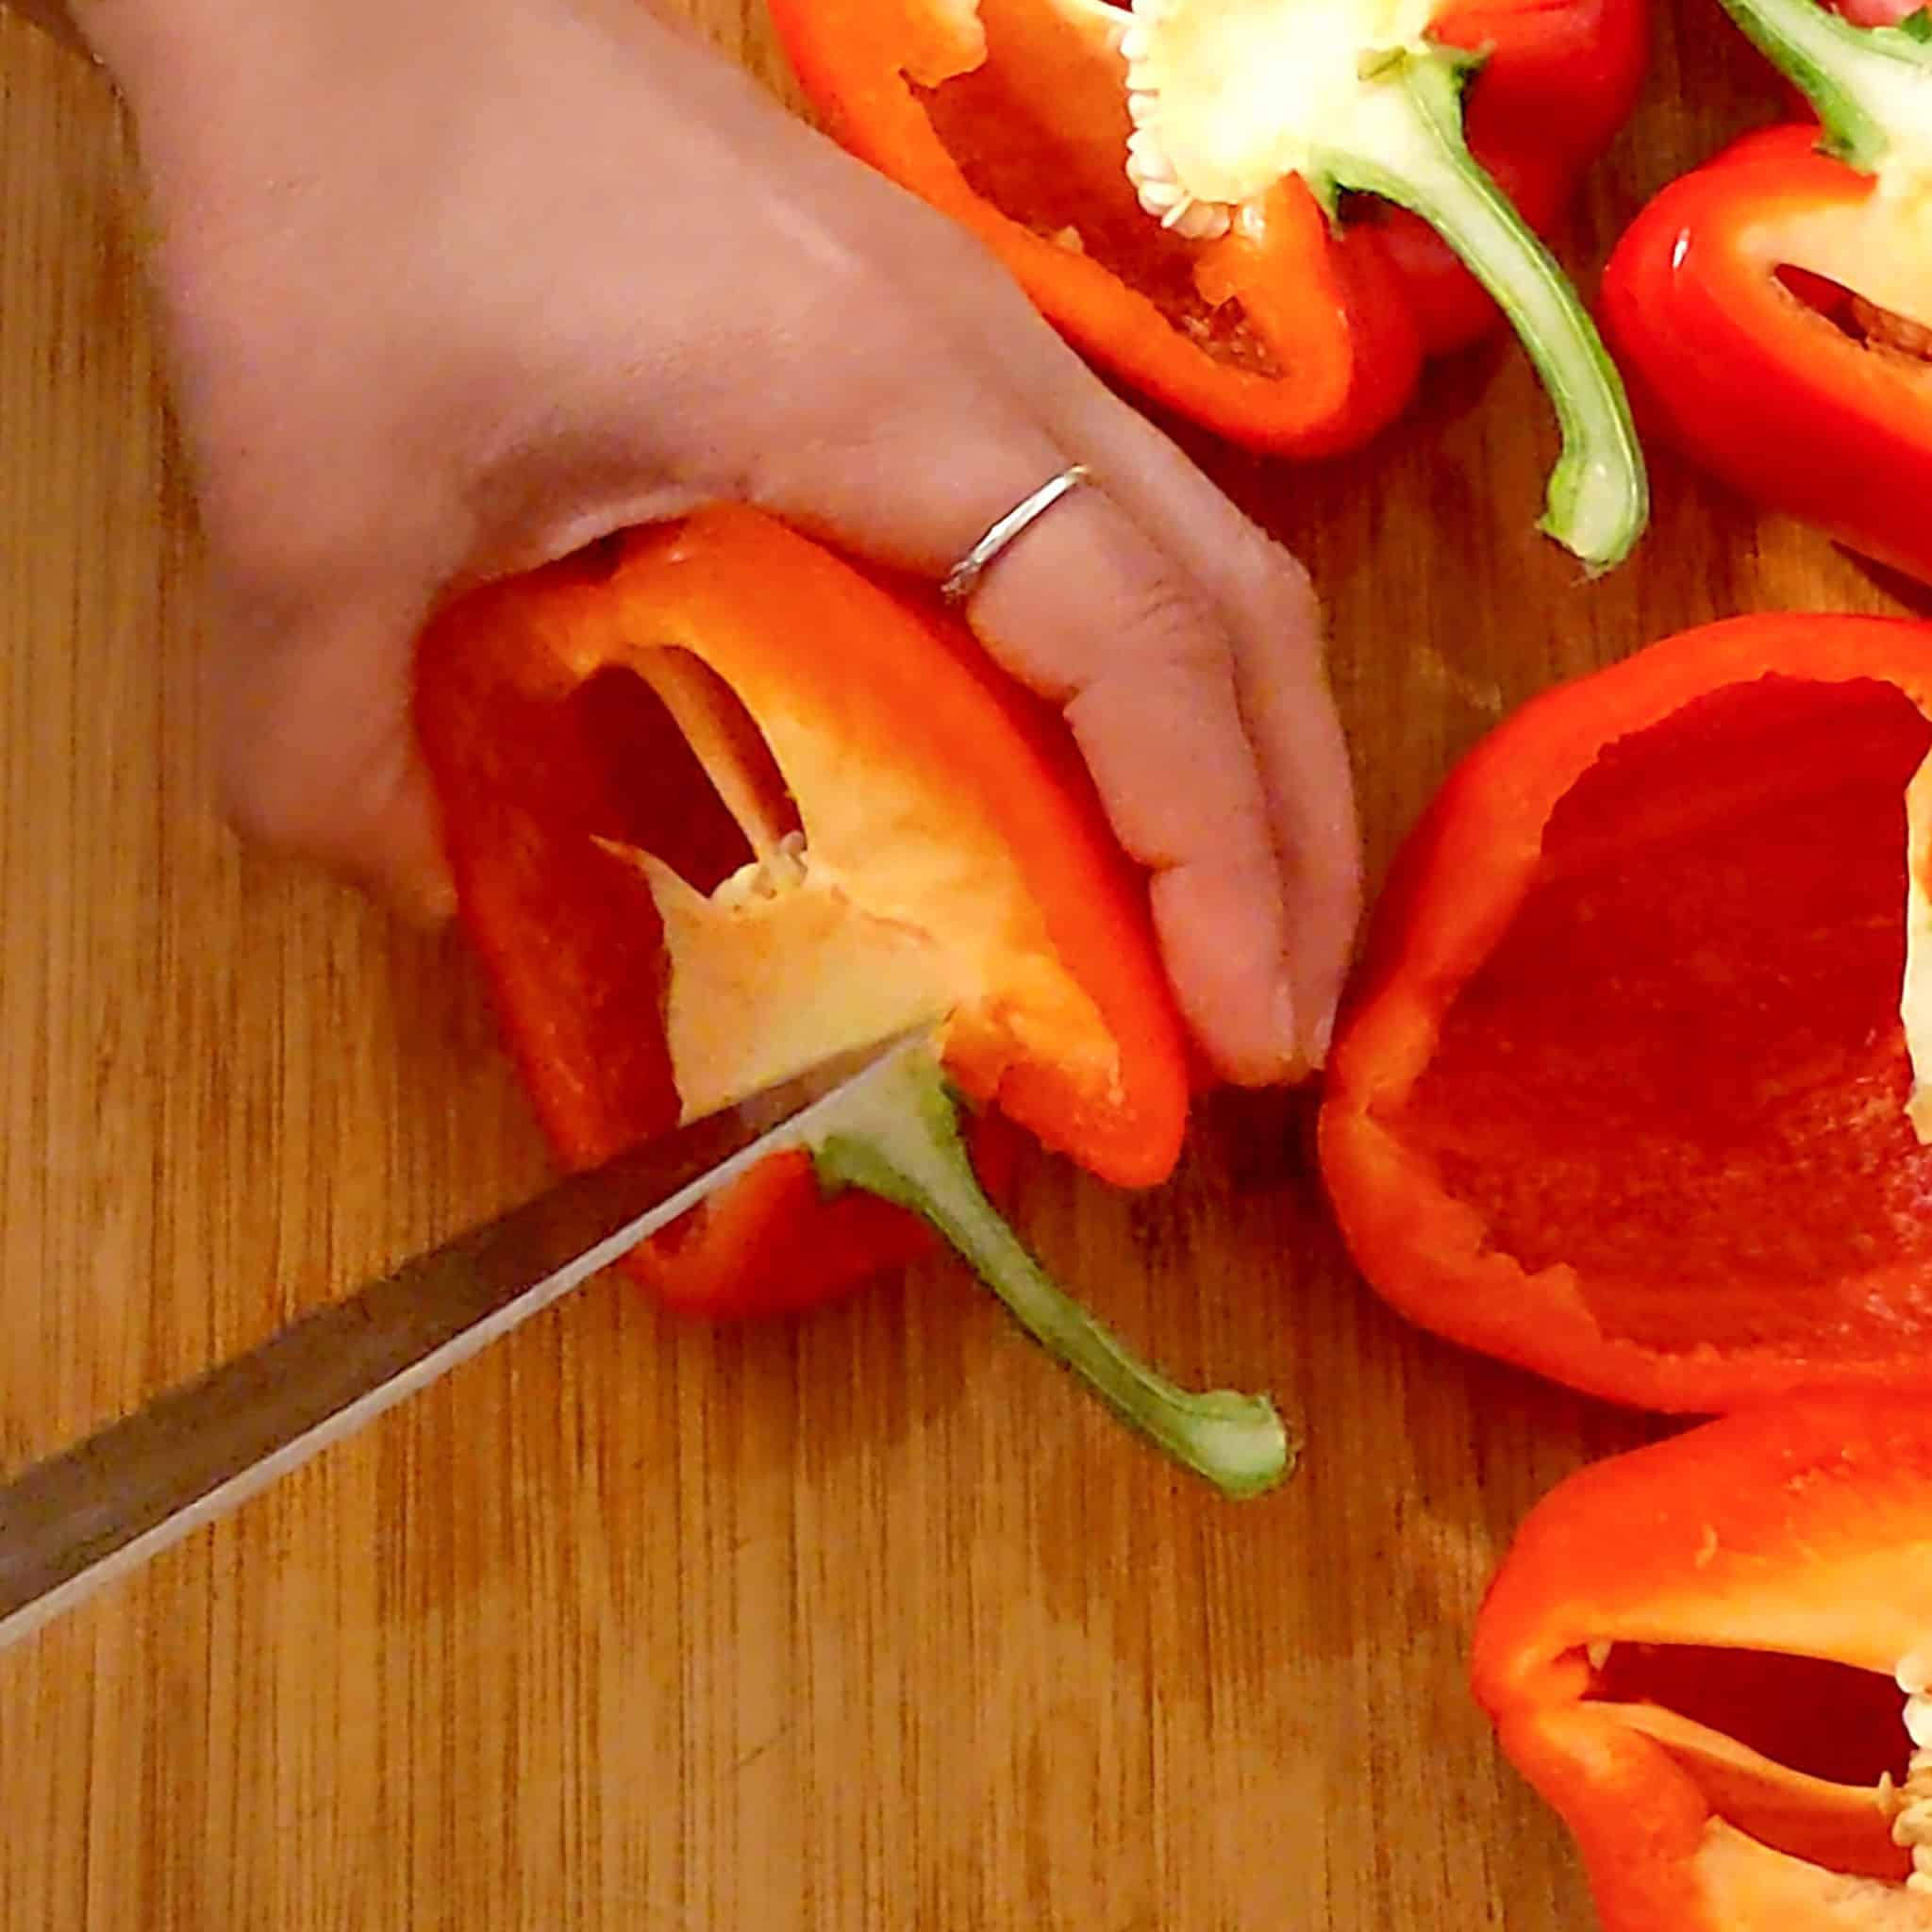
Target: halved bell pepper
717,804
1628,1090
1774,308
1712,1656
1167,184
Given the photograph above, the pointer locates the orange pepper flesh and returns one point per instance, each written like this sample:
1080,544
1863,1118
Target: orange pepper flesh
1621,1097
542,747
533,770
1293,337
1030,150
1691,1650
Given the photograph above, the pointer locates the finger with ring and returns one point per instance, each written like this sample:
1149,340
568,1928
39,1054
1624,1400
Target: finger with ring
963,578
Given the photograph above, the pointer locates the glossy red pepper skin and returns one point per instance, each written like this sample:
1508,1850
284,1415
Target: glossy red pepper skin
1764,389
545,749
1619,1092
1291,335
1689,1650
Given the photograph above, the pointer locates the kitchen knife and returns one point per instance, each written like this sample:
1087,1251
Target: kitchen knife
94,1511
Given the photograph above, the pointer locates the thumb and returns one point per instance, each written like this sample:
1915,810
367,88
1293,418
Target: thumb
315,751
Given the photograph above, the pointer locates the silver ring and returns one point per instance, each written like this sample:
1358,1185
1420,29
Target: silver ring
963,578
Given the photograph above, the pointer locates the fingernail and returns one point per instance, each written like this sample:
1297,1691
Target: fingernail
1307,1030
1288,1024
1320,1035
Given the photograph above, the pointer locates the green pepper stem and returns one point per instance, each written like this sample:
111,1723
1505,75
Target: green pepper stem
899,1138
1869,86
1406,144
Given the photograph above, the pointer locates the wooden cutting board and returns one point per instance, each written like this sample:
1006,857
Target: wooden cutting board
860,1621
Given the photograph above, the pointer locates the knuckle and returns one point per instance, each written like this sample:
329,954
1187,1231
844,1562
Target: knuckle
1166,625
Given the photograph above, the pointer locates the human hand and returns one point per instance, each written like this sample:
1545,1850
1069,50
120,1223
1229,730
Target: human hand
453,289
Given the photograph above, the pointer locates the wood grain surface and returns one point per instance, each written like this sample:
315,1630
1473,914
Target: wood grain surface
864,1621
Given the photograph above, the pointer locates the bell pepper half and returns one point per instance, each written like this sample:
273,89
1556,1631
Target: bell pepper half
1167,184
1712,1657
1627,1090
1774,308
718,805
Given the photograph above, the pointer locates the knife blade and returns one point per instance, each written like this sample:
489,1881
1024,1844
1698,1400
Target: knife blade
96,1510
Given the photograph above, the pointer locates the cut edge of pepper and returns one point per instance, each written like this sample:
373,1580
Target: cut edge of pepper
1830,257
1425,1250
1308,390
1122,1122
1787,1535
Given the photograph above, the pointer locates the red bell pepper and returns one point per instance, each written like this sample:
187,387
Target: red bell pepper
717,804
1775,308
1167,186
1712,1655
1625,1092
